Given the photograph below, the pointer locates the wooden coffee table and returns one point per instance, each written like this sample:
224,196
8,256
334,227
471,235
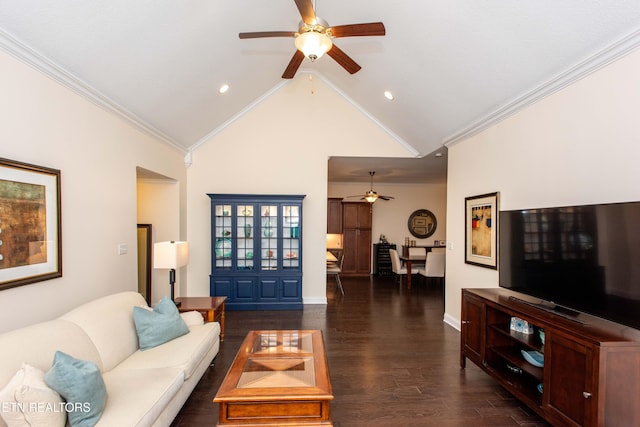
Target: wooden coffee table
210,308
278,378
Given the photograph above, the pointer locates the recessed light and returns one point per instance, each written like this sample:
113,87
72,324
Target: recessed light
388,95
223,88
438,154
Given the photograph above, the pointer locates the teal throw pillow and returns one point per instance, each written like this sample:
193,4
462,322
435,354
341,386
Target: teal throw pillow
160,325
80,383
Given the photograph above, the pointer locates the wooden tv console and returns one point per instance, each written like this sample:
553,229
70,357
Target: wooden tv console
591,372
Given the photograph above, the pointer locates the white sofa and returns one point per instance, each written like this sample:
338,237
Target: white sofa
144,388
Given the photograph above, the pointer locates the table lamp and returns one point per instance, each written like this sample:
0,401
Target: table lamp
171,255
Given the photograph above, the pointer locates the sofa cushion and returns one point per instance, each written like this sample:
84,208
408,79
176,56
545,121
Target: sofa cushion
37,344
109,323
27,401
159,326
185,352
138,397
80,383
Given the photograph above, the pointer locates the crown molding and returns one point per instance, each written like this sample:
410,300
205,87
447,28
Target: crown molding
29,56
586,67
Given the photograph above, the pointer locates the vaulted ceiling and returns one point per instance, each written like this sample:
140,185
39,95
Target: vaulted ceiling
454,67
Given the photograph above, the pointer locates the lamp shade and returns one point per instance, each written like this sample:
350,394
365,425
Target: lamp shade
313,44
170,255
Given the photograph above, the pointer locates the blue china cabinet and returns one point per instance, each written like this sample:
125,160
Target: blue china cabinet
256,251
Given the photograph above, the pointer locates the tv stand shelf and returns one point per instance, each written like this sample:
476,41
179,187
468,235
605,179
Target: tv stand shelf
591,366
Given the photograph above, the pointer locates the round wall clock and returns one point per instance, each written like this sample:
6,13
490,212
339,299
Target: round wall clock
422,223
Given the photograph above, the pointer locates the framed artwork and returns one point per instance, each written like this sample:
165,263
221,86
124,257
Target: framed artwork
481,230
30,236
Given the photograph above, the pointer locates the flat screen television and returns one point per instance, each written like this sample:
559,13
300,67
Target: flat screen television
575,258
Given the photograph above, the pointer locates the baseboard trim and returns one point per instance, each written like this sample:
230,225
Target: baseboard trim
314,300
451,321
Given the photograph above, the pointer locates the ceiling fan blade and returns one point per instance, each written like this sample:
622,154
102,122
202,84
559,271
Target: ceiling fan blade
260,34
385,197
369,29
306,11
343,59
293,66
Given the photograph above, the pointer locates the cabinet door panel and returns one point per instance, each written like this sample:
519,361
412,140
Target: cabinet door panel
472,328
349,215
268,289
291,289
221,286
568,367
363,257
244,289
350,243
334,216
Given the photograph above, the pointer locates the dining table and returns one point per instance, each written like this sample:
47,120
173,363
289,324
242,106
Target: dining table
408,261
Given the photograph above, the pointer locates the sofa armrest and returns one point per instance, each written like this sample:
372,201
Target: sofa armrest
192,318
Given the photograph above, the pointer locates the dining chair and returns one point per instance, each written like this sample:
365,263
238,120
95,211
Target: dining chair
434,267
334,269
396,266
417,252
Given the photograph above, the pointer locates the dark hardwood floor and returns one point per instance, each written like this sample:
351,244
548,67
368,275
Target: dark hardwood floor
393,362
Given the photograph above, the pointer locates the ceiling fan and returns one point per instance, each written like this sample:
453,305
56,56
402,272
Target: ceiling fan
313,39
371,196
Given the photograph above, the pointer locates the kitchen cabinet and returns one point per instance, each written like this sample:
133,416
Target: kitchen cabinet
356,230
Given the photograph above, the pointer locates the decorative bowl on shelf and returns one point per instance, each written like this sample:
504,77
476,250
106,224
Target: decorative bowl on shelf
534,357
223,247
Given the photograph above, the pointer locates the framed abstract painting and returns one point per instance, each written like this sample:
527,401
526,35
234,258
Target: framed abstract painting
30,235
481,230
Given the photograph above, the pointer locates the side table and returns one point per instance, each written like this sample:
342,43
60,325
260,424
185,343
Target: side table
210,308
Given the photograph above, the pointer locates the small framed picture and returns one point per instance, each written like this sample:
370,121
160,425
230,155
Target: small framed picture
481,230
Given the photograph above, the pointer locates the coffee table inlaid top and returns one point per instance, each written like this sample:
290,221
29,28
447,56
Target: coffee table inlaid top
278,364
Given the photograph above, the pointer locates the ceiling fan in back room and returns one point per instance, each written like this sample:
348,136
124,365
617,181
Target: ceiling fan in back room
371,196
314,38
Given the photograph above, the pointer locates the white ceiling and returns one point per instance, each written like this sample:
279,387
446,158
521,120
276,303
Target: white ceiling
454,66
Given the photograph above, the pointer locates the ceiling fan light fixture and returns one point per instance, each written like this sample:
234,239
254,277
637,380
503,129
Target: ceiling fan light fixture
313,44
371,196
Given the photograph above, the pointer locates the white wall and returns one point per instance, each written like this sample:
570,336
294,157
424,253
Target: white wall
391,217
44,123
578,146
158,205
281,146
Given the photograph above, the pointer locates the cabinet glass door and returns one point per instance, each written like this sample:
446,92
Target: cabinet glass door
291,236
222,233
244,236
269,237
